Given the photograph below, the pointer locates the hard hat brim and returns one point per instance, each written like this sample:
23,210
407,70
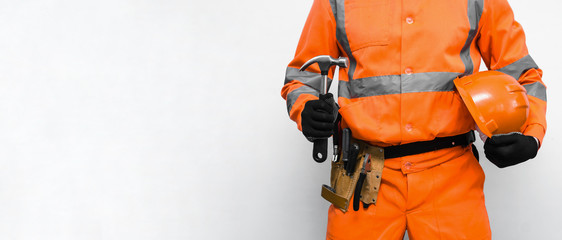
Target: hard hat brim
471,106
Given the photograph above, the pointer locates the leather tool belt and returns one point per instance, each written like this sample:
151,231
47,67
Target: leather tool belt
365,178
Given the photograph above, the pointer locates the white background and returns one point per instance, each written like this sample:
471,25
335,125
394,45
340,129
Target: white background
164,120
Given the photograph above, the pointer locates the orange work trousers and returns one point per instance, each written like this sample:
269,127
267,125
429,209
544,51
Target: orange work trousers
435,195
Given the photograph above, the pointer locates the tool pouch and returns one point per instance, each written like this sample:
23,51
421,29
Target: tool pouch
372,182
342,185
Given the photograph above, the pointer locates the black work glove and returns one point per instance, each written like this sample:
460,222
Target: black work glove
510,149
317,118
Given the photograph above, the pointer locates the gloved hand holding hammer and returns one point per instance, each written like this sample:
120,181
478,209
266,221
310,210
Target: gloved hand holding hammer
317,118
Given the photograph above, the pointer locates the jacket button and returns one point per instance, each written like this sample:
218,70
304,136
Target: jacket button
409,20
408,165
408,71
408,127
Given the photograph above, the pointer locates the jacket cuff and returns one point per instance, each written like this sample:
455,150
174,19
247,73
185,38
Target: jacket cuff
298,107
535,130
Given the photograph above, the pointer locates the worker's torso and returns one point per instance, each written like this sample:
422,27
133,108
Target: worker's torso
405,56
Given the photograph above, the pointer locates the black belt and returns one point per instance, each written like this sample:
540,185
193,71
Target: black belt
428,146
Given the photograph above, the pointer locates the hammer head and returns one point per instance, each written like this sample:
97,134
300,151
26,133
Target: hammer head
325,62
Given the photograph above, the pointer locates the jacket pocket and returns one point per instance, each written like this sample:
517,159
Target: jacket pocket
367,23
373,119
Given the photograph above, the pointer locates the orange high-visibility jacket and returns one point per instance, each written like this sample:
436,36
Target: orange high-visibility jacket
404,56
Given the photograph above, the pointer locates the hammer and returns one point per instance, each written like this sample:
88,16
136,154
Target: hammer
325,62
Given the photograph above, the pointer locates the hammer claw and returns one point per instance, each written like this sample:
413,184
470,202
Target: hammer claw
317,59
325,62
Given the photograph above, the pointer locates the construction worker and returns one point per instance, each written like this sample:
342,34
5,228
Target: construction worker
398,90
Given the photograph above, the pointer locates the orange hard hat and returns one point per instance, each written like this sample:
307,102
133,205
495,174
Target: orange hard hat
496,101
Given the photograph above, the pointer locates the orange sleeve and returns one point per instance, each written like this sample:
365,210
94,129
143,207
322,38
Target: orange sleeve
318,38
501,41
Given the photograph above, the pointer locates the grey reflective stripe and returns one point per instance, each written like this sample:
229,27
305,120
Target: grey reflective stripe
537,90
309,78
338,9
371,86
475,8
294,95
518,67
428,82
396,84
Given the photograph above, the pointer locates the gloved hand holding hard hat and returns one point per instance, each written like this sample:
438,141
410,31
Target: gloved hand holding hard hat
510,149
499,106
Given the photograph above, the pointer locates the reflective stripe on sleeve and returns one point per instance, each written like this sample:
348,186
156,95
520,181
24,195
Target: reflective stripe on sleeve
537,90
390,84
518,67
311,79
294,95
